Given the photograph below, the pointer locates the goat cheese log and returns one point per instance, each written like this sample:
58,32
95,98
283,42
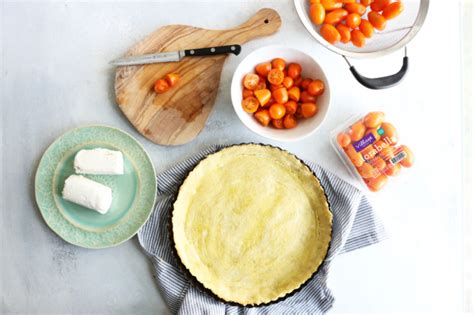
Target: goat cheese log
87,193
99,162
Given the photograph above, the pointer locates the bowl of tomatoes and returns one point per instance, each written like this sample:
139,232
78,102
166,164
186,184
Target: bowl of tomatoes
280,93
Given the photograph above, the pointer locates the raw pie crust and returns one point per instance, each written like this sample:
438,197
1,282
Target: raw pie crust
251,223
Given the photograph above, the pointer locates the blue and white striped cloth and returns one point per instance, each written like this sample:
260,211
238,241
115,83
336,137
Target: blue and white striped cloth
354,226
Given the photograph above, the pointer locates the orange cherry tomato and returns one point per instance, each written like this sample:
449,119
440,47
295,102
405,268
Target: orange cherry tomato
279,63
392,170
377,183
161,86
317,13
275,87
276,76
409,159
343,139
378,163
305,97
172,78
261,84
278,123
387,153
331,4
270,102
308,110
357,131
291,107
289,121
263,117
353,20
330,33
365,3
355,8
250,104
355,157
316,88
374,132
280,95
251,81
297,82
335,16
389,131
357,38
263,68
277,111
345,33
305,83
369,152
246,93
366,28
379,5
288,82
392,10
374,119
294,93
263,96
368,171
377,20
294,70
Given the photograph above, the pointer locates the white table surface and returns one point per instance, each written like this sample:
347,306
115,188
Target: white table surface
55,77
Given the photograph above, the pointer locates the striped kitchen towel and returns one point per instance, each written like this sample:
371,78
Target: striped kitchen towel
354,226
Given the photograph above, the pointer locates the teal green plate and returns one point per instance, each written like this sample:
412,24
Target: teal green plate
133,193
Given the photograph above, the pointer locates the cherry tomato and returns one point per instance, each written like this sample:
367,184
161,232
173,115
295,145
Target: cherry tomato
279,63
355,8
161,86
378,163
316,88
335,16
309,109
355,157
172,78
331,4
291,107
276,76
251,81
288,82
389,131
305,97
294,70
278,123
280,95
365,3
277,111
246,93
353,20
298,81
289,121
270,102
330,33
250,104
374,119
357,38
377,183
409,159
294,93
392,170
305,83
368,152
263,117
379,5
343,139
377,20
387,153
366,28
275,87
317,13
357,131
392,10
367,171
263,69
261,84
263,96
345,33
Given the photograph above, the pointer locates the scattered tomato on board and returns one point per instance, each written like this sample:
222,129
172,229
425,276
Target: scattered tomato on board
164,84
277,95
371,145
350,20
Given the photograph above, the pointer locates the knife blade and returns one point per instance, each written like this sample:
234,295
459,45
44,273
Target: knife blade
175,56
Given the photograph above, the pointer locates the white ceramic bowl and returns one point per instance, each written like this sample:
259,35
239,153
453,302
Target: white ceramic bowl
311,69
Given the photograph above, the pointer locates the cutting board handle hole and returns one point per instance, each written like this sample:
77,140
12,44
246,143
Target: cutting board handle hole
266,21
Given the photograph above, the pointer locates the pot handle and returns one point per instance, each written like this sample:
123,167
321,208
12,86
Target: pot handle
382,82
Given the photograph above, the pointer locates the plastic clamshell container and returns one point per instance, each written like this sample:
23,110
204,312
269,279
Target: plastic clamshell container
370,148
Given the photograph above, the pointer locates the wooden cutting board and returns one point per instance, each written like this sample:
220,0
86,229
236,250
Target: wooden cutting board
177,116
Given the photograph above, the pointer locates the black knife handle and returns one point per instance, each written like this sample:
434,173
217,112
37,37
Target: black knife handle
211,51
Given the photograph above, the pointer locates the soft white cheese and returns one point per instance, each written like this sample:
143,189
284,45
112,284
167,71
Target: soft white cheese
87,193
99,161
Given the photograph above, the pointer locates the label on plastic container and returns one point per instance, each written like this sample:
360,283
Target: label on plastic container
364,142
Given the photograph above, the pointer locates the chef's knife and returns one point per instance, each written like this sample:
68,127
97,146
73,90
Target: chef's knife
175,56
